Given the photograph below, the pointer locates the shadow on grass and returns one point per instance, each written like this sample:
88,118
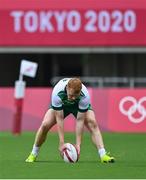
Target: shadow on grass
48,161
62,162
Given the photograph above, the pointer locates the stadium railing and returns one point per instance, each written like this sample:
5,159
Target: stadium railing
101,82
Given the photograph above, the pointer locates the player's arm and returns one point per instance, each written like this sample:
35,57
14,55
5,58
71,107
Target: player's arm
79,129
82,109
56,104
60,126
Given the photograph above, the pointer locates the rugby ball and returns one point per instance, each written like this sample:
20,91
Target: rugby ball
70,154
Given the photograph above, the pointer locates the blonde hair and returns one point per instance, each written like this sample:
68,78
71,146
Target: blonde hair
75,84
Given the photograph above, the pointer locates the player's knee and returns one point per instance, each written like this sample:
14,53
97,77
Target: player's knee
44,126
92,124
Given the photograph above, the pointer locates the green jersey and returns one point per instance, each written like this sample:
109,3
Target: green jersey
59,100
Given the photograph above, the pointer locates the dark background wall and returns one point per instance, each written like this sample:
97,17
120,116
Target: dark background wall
51,65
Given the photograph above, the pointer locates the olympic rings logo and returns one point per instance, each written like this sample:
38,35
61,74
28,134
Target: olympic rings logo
135,106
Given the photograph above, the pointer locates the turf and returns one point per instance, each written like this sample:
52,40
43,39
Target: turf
128,149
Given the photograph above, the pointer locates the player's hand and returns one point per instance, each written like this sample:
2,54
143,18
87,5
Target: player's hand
61,148
78,149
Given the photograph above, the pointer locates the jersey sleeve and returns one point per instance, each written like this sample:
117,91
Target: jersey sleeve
56,102
84,104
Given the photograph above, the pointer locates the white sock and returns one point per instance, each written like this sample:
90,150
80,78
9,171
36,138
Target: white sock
101,152
35,150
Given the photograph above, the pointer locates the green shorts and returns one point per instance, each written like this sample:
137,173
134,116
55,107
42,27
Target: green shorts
71,109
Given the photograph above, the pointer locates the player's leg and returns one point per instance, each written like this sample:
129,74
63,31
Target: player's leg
48,122
91,124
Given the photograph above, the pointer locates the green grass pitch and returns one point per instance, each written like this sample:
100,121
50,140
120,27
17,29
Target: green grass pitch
128,149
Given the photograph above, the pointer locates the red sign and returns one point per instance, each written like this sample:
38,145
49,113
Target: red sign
118,110
127,110
73,23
